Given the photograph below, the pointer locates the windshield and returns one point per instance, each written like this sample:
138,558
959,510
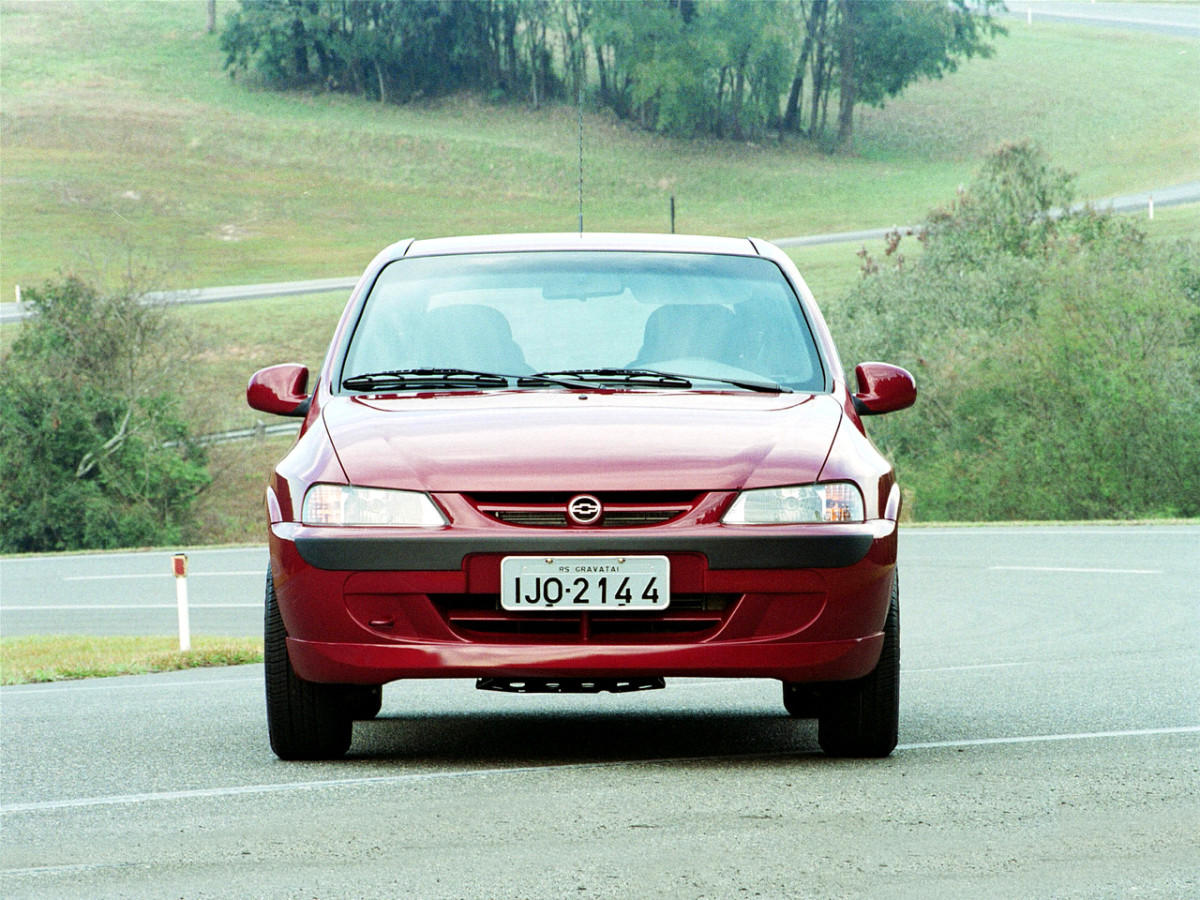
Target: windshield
730,319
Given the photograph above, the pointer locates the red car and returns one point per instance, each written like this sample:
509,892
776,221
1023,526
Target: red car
577,463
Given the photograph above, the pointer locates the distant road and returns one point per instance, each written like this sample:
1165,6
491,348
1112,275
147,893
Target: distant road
1176,195
1172,196
1178,19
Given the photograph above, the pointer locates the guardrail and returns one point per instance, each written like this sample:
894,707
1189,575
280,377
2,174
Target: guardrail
1169,196
261,429
15,312
1146,200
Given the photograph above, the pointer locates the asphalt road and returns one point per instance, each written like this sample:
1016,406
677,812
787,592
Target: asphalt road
132,593
1050,747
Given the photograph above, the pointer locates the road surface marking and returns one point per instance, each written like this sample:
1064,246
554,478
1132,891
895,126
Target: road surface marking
422,777
1118,530
1003,665
1049,738
1074,569
256,572
82,606
16,691
141,554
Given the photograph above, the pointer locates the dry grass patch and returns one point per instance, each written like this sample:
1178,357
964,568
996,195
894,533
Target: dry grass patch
42,658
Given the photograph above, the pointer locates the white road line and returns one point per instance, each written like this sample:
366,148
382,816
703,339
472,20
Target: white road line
1051,738
1065,529
1075,570
61,870
142,554
1004,665
85,606
254,572
421,777
251,789
16,691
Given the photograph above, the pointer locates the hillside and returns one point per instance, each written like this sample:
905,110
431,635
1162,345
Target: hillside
121,132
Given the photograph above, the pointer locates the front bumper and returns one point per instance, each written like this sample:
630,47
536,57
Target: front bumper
798,603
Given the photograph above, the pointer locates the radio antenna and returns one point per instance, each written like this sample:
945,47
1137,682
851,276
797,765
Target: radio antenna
580,157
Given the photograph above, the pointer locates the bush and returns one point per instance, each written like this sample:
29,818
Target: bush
93,452
1058,357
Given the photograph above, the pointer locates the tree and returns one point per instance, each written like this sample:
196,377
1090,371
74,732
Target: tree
398,52
813,18
891,45
848,76
93,452
684,67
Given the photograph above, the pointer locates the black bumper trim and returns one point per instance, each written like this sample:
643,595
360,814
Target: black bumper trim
445,553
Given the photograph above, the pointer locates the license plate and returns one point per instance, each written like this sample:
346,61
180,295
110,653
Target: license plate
584,582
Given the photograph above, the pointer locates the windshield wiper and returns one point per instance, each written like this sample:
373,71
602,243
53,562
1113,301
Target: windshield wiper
766,387
640,377
398,379
658,378
401,379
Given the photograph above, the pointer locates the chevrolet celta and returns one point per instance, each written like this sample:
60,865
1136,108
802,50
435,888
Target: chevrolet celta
577,463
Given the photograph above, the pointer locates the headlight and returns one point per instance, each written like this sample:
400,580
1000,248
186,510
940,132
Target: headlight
834,502
340,504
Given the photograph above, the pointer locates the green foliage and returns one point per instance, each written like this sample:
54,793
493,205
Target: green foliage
393,51
693,69
682,67
1009,210
899,43
1058,357
93,449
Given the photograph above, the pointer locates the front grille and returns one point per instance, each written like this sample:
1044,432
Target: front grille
627,509
480,616
555,519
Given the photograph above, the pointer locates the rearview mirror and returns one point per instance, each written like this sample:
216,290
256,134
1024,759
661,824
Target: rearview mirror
279,390
883,388
581,286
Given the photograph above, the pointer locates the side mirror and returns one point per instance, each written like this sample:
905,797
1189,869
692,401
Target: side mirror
279,390
883,388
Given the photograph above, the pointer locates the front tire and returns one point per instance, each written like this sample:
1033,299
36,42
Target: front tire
305,720
861,718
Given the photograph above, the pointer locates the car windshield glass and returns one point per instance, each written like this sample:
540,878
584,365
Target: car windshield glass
732,320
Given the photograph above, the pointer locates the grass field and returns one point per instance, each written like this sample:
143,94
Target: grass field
122,138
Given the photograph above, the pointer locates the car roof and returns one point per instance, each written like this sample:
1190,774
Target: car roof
516,243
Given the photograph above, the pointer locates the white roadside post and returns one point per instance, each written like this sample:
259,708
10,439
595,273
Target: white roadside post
179,562
1151,206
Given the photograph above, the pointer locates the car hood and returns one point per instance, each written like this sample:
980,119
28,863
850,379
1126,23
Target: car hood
596,441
